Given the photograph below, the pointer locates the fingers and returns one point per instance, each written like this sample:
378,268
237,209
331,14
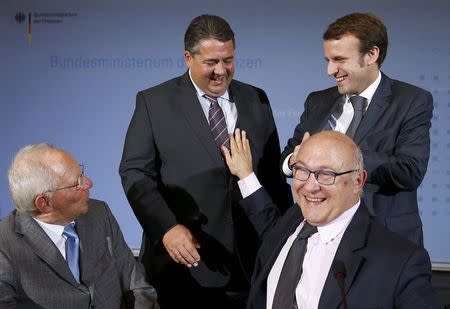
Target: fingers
246,144
305,137
187,256
182,246
226,152
293,158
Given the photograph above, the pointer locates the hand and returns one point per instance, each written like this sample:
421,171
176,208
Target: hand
293,158
239,160
182,245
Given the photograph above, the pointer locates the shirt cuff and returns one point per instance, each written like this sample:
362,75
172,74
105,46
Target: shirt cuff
286,170
249,185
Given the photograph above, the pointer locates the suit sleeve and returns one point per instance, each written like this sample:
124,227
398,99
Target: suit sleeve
403,169
299,131
261,211
8,283
140,174
414,289
137,292
271,178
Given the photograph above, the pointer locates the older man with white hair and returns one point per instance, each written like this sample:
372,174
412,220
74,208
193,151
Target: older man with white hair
60,249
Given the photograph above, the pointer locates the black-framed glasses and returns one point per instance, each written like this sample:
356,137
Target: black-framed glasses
323,177
80,184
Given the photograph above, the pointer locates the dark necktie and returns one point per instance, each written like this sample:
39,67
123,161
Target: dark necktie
359,106
72,250
217,123
291,272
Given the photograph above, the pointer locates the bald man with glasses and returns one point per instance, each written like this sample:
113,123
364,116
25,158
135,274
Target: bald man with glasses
327,251
60,249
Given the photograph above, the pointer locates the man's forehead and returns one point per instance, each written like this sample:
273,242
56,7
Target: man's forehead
60,161
324,152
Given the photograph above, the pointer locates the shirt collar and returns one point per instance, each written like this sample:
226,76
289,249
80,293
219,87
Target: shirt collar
369,91
338,225
54,231
201,93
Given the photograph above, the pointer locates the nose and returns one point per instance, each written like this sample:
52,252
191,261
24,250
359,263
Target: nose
86,183
219,69
331,68
311,184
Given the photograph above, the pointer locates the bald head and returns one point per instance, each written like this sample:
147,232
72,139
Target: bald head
335,145
328,176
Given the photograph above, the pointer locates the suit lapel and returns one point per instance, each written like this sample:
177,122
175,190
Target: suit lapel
244,111
43,246
243,108
191,110
380,101
267,262
324,109
92,246
351,253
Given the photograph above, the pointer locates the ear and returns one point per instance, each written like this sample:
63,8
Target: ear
360,180
188,58
372,55
41,203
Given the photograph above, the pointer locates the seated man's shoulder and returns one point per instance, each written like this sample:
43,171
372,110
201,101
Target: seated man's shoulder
7,223
390,244
97,208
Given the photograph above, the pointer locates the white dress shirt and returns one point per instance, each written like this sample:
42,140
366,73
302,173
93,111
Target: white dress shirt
55,233
228,107
320,252
344,120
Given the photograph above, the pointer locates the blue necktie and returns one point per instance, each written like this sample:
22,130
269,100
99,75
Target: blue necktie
72,250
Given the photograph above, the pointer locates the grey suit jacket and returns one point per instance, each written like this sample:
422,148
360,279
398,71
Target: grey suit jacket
33,273
395,142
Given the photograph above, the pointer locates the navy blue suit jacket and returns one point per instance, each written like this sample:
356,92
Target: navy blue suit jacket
395,142
383,270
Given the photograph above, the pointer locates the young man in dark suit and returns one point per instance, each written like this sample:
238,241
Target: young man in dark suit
198,246
60,249
391,123
347,260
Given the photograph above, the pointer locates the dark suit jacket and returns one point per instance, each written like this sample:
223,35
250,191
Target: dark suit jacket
33,273
172,172
395,142
383,270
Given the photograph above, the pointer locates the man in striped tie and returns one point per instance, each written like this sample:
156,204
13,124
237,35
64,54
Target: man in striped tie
199,248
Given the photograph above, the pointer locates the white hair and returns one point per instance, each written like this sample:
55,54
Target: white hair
29,175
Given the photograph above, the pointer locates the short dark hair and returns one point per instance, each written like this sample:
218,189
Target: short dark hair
205,27
366,27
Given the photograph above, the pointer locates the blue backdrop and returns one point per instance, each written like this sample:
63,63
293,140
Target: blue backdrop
70,71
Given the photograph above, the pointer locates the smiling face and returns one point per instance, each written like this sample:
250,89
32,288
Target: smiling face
330,151
68,204
212,66
352,71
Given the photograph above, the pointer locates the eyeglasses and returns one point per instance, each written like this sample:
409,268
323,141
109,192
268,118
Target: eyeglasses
326,178
80,184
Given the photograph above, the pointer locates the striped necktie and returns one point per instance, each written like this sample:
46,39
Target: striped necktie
217,123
